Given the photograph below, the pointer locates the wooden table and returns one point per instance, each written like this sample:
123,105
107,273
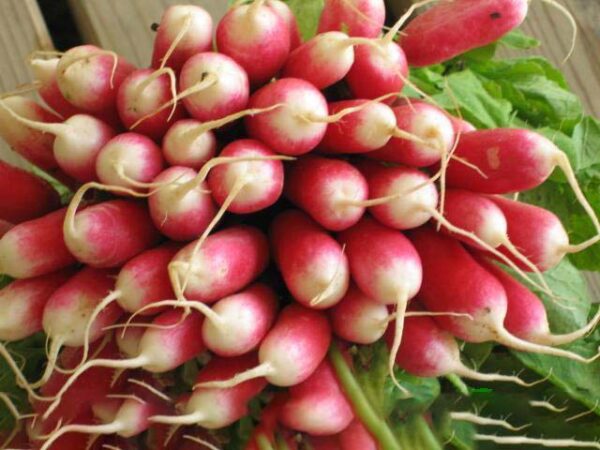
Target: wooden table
124,26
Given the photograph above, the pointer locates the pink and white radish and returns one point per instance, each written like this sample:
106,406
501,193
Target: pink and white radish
526,315
362,18
454,281
385,266
22,303
183,31
313,264
186,145
35,146
30,197
266,39
215,408
44,73
36,247
327,190
428,39
317,406
511,160
290,352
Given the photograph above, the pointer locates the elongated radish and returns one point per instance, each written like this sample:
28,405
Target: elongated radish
141,93
89,77
183,31
267,38
290,352
428,351
428,39
385,266
35,247
215,408
313,264
172,339
283,10
526,315
537,233
295,128
181,209
356,437
227,261
317,406
35,146
431,125
22,303
358,318
454,281
363,18
182,146
327,189
30,196
77,143
512,160
44,72
110,233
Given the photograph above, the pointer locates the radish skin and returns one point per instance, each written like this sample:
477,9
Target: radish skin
179,150
44,72
362,18
357,437
287,15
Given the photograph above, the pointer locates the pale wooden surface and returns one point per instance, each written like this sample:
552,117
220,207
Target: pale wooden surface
22,30
124,25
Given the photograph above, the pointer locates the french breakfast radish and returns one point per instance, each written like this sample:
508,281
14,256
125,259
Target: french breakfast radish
454,281
526,315
36,247
30,197
183,31
22,303
438,34
327,189
33,145
184,146
44,73
362,18
290,352
313,264
512,160
266,39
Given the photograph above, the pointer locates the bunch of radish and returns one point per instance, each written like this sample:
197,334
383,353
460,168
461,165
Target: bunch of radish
251,217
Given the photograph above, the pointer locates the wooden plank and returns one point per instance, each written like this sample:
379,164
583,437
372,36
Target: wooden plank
22,30
124,25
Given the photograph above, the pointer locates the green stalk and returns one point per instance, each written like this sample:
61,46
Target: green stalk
363,409
263,443
459,384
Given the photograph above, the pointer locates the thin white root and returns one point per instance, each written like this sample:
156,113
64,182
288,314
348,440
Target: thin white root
155,75
573,23
567,338
547,405
109,428
401,305
185,26
187,419
263,370
478,420
390,35
197,440
320,297
110,53
524,440
466,372
151,389
585,413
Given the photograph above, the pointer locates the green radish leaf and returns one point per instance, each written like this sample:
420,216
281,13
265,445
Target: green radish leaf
307,14
518,40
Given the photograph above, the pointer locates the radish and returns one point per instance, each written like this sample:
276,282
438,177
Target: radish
108,234
44,72
184,31
363,18
35,248
317,406
181,208
512,160
358,318
35,146
77,143
526,315
284,11
433,131
266,39
30,196
454,281
140,94
313,264
290,352
386,267
186,144
428,39
89,77
22,303
328,190
461,125
215,408
538,234
356,437
428,351
171,340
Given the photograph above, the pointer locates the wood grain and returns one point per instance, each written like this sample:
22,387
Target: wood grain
124,25
22,30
